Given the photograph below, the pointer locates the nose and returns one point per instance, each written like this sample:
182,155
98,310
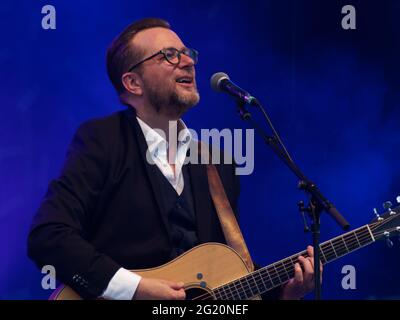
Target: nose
186,61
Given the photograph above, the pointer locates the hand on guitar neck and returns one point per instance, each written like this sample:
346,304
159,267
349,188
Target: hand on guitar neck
303,280
158,289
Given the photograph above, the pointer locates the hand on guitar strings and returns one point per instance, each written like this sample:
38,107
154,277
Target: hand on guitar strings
303,280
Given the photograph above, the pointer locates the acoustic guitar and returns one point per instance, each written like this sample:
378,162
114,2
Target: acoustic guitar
214,271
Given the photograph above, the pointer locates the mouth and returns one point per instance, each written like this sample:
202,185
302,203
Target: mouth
186,81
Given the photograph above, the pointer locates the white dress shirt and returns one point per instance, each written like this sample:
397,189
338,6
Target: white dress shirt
124,283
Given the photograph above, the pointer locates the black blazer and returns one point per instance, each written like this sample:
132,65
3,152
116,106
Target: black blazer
104,212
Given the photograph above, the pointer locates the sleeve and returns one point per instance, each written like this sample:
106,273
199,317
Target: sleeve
58,234
122,286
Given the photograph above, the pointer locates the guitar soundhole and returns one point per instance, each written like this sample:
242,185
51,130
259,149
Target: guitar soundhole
198,294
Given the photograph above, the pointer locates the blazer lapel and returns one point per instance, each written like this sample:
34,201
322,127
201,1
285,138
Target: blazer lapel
151,169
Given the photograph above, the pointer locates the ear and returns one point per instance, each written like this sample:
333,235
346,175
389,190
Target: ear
132,83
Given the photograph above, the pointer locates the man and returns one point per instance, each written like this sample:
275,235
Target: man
111,209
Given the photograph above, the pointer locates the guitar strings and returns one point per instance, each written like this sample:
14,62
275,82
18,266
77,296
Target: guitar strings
226,291
278,273
280,270
289,269
284,262
283,265
223,290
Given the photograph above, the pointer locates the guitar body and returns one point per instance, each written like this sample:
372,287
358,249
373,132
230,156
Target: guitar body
202,269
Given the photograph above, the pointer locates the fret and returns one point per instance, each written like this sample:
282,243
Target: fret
370,232
350,242
228,292
216,294
255,282
221,292
322,247
333,248
329,253
273,280
235,291
338,247
284,268
365,236
355,234
322,255
250,286
262,286
269,277
244,290
277,273
290,269
344,242
231,295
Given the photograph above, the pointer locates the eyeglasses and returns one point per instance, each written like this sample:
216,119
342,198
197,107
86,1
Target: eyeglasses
172,55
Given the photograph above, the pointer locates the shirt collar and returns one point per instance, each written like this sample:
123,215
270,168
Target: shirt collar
156,141
184,136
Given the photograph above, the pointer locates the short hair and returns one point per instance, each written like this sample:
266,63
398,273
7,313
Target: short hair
121,54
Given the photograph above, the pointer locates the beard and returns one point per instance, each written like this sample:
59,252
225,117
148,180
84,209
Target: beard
169,100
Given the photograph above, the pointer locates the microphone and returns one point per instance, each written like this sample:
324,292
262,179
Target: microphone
220,82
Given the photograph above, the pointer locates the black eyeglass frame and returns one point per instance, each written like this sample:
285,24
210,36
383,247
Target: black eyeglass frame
193,54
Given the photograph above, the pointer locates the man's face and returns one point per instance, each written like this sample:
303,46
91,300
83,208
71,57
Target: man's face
160,78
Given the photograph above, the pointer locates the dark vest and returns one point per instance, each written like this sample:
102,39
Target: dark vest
181,213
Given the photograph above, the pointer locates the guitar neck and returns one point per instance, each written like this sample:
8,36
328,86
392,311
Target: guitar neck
276,274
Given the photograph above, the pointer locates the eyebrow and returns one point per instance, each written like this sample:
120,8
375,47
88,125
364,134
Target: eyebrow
181,48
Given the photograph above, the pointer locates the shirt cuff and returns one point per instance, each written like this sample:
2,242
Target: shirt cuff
122,285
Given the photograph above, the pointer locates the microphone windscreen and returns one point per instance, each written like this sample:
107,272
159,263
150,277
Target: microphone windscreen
216,79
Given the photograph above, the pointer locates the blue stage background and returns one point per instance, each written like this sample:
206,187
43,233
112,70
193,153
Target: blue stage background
334,96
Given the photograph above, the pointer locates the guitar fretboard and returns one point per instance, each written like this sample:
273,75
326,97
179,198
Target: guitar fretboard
274,275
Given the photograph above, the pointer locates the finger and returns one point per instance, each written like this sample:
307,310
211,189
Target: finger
310,251
177,285
298,273
306,264
311,262
174,285
180,294
310,258
321,270
307,268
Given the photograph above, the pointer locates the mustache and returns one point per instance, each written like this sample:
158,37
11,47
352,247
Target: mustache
188,71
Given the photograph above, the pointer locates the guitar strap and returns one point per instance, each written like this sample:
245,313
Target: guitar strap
229,224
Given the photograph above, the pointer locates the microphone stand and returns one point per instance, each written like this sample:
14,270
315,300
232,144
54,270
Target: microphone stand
317,201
